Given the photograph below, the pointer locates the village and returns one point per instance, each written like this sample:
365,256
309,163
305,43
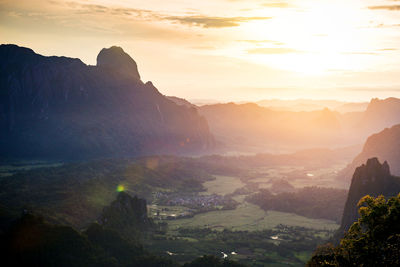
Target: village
172,206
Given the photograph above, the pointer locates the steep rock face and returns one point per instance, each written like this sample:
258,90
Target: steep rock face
384,145
125,212
371,179
57,107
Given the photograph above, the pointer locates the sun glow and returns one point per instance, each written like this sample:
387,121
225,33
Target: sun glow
248,49
314,40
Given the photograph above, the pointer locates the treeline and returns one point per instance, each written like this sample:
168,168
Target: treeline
374,240
75,193
31,241
311,202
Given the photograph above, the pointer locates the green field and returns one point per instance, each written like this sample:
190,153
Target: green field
300,177
223,185
246,216
251,218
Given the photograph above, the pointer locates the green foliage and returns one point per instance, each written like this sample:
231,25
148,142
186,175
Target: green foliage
371,241
311,202
33,242
75,193
113,244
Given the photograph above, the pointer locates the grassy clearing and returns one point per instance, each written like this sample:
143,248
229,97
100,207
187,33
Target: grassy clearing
251,218
300,177
304,256
223,185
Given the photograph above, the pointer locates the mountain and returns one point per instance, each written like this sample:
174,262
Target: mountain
384,145
299,104
181,101
381,114
352,107
249,127
372,178
259,129
126,214
60,108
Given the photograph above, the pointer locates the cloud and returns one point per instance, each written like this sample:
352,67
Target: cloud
359,53
143,14
272,50
387,49
262,42
213,22
117,11
277,4
389,7
203,47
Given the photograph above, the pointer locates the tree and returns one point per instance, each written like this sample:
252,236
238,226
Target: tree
371,241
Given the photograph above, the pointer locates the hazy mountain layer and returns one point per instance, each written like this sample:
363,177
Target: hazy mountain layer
243,126
384,145
312,105
58,107
250,127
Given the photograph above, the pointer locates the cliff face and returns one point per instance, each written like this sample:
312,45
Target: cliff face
372,179
57,107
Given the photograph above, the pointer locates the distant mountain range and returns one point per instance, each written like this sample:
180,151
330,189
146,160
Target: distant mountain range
384,145
60,108
254,128
312,105
381,113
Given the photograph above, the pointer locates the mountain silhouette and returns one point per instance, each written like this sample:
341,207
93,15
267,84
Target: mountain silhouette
60,108
372,178
126,212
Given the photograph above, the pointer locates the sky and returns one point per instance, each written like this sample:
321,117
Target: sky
226,50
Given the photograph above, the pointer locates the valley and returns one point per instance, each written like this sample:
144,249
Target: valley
199,210
99,168
220,231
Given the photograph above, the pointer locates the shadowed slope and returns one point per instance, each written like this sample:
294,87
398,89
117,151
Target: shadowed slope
57,107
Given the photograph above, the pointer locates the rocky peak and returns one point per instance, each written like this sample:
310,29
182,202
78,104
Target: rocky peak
372,178
372,171
116,59
124,212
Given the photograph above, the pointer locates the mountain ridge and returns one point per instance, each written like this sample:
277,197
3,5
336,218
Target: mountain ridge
58,107
385,145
